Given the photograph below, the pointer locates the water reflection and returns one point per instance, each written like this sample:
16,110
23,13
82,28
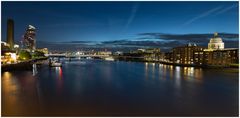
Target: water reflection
59,84
34,70
7,75
146,70
198,73
150,70
178,72
9,88
84,88
188,72
107,72
19,91
59,72
172,72
153,70
7,83
178,77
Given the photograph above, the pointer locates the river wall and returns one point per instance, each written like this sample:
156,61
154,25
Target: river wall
25,65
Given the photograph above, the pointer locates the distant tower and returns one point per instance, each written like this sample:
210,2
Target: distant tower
216,43
10,33
29,37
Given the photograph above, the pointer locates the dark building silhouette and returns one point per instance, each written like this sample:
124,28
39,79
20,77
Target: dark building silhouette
10,33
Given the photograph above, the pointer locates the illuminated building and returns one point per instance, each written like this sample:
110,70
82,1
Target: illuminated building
216,42
221,57
199,57
43,50
104,53
10,33
8,57
118,53
4,46
29,38
168,56
9,49
152,54
141,50
149,50
217,55
185,54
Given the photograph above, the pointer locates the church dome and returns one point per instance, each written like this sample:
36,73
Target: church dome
216,39
216,42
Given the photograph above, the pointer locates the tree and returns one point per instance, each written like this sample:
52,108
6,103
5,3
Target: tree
24,55
37,54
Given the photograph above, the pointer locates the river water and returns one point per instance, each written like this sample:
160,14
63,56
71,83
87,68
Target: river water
118,88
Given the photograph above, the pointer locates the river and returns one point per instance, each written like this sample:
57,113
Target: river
118,88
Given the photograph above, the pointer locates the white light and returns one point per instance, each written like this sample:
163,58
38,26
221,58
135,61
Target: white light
13,56
177,68
31,27
16,46
4,43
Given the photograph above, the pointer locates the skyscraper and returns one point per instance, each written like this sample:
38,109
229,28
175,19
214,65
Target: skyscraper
29,38
10,33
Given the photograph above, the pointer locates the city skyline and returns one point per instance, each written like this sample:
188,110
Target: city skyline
124,24
120,59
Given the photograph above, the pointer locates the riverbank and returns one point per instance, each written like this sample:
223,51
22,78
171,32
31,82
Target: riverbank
136,59
23,65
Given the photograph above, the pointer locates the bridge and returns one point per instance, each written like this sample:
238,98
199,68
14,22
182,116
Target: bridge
74,56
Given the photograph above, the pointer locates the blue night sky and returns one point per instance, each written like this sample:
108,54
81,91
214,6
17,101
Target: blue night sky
119,23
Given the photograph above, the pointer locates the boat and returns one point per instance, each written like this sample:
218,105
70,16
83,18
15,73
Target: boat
88,57
109,59
55,64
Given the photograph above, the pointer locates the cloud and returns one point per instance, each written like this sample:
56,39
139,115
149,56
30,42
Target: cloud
165,46
74,46
168,41
205,14
215,11
159,40
200,39
187,37
73,25
79,42
226,9
132,16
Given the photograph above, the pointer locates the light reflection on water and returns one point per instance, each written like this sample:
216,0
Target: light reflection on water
59,77
101,87
176,73
34,70
19,93
173,71
9,90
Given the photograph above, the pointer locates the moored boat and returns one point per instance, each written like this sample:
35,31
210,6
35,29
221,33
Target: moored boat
55,64
109,58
